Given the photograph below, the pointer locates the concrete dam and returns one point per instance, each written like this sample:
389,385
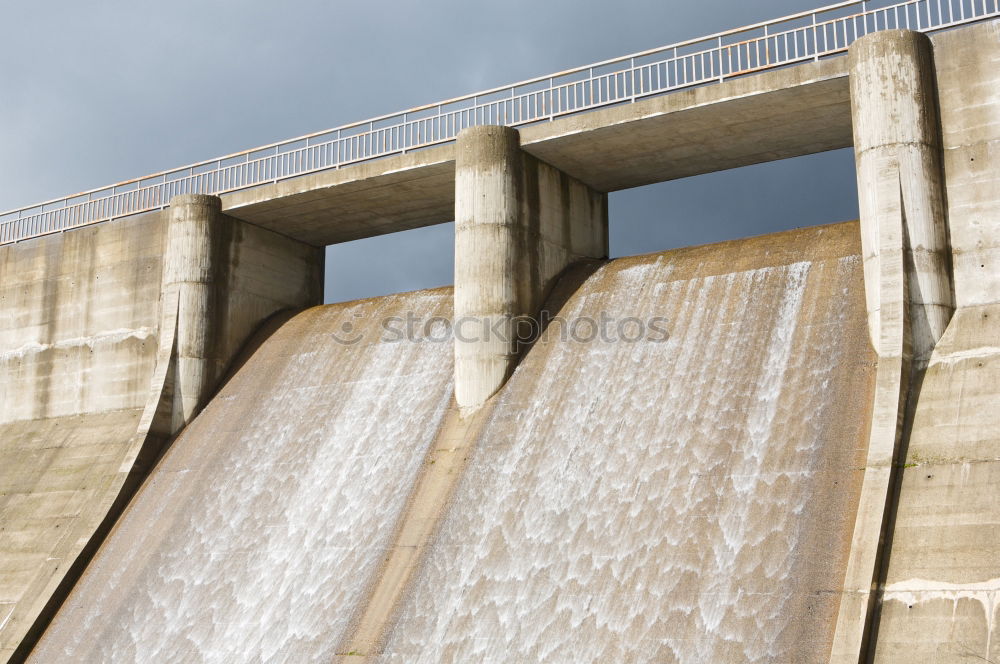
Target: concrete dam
783,448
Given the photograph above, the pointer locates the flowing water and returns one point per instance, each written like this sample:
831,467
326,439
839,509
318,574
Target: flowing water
680,501
268,518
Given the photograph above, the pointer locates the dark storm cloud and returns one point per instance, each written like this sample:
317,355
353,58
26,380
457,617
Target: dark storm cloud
100,92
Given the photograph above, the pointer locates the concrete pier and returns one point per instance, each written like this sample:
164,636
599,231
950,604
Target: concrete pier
897,146
518,223
908,292
191,268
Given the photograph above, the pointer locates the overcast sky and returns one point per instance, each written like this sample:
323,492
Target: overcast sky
95,93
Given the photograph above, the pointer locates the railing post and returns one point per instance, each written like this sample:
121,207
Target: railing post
815,41
547,102
722,64
631,66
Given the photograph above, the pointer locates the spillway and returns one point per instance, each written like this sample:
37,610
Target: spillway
270,514
682,501
681,489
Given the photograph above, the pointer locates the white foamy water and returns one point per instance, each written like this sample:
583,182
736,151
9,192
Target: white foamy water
657,502
260,532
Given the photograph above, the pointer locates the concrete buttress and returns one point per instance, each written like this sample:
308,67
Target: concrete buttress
897,143
908,288
518,223
196,236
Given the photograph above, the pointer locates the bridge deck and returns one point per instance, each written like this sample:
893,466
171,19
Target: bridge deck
773,115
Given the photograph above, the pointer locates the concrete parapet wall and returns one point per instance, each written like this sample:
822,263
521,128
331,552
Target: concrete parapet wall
518,223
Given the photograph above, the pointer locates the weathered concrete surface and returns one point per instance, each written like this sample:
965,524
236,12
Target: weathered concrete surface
53,472
219,300
968,81
886,430
266,523
942,590
86,473
433,490
897,138
518,224
79,320
699,517
194,262
384,196
689,500
907,285
773,115
78,334
87,350
763,117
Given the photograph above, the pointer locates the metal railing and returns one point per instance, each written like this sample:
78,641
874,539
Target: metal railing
792,39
